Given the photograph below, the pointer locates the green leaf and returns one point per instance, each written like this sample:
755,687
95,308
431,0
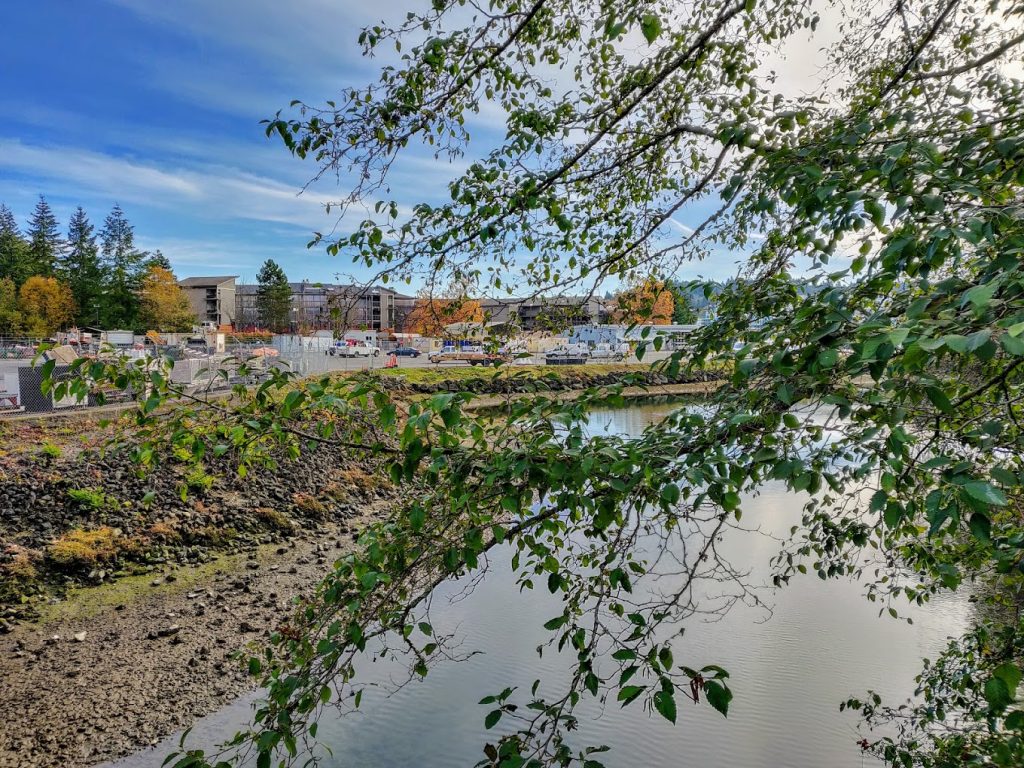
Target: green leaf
492,718
982,491
997,694
981,527
718,695
629,693
650,25
665,705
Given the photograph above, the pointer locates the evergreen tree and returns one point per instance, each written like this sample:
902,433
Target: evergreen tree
157,259
80,266
273,296
13,249
124,265
44,241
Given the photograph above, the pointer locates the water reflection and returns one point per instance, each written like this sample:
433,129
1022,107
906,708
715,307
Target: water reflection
821,643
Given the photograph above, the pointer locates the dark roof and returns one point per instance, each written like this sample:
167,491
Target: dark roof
197,282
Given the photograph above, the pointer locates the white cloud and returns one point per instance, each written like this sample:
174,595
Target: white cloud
210,191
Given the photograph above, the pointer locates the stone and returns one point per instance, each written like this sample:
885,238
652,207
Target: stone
80,637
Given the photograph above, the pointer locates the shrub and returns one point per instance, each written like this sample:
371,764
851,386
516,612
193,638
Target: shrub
19,564
199,480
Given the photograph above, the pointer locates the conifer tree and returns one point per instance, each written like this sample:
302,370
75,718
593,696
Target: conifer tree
44,241
124,266
273,296
13,248
80,266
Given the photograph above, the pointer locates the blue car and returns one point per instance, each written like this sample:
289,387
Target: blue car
406,352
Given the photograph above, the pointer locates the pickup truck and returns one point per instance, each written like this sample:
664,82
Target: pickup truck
471,356
341,349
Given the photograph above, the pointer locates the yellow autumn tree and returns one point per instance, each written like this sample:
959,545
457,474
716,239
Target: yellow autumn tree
649,302
164,306
46,305
431,314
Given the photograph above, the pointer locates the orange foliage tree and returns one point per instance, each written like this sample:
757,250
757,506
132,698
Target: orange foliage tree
649,302
164,306
431,314
47,304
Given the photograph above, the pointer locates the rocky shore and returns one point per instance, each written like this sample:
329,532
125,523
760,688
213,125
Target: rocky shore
120,666
70,516
531,379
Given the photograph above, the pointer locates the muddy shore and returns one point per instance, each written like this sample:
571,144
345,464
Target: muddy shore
118,667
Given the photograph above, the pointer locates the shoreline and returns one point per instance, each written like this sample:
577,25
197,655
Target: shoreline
119,667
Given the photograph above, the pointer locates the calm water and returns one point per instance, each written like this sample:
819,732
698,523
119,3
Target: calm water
821,643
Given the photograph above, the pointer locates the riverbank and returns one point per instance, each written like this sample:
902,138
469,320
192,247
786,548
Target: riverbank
123,600
117,667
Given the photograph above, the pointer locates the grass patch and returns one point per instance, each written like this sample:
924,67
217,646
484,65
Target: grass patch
89,498
443,374
309,504
82,549
275,520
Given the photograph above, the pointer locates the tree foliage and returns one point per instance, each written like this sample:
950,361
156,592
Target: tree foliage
12,321
164,305
14,259
46,304
124,266
431,314
273,297
650,301
44,241
878,321
80,265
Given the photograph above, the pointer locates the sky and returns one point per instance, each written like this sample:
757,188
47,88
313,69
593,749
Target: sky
155,105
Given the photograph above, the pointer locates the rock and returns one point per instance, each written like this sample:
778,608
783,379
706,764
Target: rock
170,631
80,637
156,582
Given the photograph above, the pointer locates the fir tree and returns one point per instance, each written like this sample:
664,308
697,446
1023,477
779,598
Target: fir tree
124,265
13,249
44,241
157,259
273,296
81,267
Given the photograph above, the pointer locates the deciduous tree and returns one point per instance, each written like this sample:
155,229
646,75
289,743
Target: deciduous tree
650,302
46,304
430,315
890,397
12,321
164,306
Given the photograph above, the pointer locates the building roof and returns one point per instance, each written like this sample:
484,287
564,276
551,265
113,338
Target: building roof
199,282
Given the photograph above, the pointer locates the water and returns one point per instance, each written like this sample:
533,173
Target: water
790,669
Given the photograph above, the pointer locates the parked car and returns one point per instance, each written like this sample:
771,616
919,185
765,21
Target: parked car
406,352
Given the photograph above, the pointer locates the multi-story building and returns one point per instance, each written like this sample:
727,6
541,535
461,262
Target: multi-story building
555,313
212,298
326,306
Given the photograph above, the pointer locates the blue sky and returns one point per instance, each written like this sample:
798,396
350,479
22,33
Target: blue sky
156,105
